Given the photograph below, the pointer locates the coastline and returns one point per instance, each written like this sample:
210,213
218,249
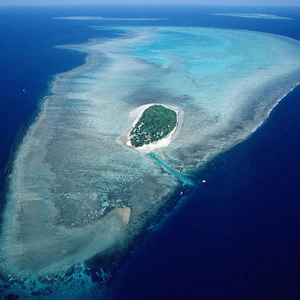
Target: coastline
275,104
162,143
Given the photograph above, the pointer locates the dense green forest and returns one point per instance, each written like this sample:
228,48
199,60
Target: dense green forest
155,123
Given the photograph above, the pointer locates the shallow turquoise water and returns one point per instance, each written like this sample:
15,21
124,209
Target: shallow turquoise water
177,174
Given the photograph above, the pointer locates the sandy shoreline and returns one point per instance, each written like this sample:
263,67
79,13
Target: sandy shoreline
164,142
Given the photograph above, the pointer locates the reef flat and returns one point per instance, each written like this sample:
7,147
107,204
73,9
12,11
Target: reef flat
94,18
76,191
253,16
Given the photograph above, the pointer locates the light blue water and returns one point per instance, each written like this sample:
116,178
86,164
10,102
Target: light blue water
84,119
177,174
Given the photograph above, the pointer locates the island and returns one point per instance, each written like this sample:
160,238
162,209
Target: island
153,128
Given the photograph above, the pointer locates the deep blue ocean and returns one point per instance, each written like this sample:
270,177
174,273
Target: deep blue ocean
234,237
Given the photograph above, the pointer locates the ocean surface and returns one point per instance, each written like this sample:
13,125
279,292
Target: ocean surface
235,236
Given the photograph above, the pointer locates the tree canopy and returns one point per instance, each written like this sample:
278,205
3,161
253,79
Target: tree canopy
156,122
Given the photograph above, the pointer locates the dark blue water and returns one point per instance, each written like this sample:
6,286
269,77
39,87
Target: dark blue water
235,237
29,60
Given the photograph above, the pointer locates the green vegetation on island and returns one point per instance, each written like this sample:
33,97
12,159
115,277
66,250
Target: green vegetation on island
156,122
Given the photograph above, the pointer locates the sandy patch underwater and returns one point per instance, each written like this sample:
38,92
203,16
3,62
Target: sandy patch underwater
74,187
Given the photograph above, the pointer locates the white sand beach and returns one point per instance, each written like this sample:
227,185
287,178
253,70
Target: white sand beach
164,142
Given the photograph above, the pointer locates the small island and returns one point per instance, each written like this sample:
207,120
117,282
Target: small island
156,122
153,128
